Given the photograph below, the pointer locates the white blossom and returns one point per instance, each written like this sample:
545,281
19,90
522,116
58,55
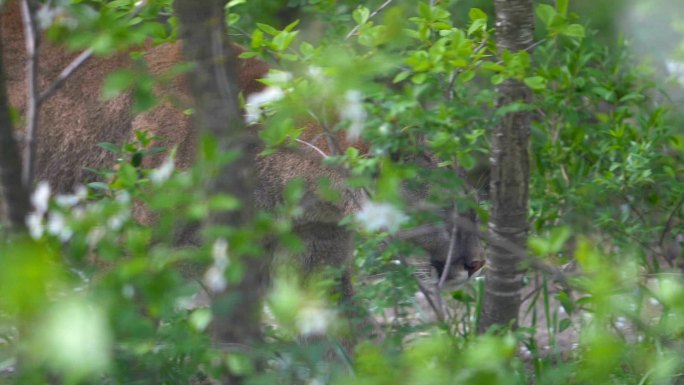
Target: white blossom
46,15
215,277
162,173
376,216
34,222
57,226
116,222
66,200
279,77
40,197
219,252
315,72
70,200
123,197
258,100
353,111
314,319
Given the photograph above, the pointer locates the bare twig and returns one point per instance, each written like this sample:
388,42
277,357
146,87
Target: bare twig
450,256
79,61
32,95
35,98
64,75
378,10
318,150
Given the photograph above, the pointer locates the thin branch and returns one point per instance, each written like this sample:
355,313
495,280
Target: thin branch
670,219
318,150
378,10
426,292
35,98
32,93
65,74
529,48
450,256
79,61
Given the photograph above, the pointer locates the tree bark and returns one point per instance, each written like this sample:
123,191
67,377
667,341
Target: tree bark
13,193
508,222
213,84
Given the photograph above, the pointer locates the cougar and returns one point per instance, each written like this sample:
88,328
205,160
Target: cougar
75,119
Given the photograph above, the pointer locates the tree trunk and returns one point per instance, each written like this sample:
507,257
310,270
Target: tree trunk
508,223
13,194
213,85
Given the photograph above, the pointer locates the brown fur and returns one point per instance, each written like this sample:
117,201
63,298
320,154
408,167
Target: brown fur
75,119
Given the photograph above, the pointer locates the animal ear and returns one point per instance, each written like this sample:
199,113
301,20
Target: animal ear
249,72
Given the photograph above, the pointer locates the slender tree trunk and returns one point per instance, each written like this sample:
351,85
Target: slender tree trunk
13,194
508,222
213,84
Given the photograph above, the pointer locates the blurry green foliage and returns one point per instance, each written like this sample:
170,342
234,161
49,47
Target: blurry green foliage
99,298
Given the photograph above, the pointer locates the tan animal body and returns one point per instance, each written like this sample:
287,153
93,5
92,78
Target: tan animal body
75,119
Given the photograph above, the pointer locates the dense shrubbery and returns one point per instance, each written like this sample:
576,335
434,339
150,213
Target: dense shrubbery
98,298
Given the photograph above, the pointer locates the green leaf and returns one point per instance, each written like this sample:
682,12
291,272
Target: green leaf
562,6
558,237
268,29
567,302
291,26
546,14
110,147
233,3
573,30
98,186
538,246
257,38
283,40
361,15
477,25
477,14
419,78
127,175
604,93
564,324
117,82
401,76
514,107
536,83
462,296
224,203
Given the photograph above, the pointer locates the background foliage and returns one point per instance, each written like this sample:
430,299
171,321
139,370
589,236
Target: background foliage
98,298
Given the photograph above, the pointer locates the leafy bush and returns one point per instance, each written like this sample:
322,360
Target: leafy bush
94,296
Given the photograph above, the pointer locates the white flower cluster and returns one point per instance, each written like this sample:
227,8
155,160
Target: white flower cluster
215,276
314,319
56,222
162,173
379,216
257,102
353,111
